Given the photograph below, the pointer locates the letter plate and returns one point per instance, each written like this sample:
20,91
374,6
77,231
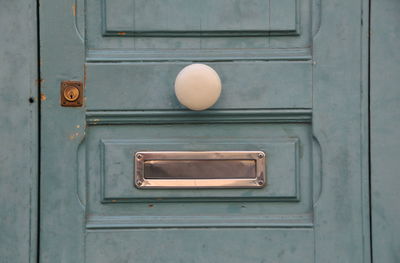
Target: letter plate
216,169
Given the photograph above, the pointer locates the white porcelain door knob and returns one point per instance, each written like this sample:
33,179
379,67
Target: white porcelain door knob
198,87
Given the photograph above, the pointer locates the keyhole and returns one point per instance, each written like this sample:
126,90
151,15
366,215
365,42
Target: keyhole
71,93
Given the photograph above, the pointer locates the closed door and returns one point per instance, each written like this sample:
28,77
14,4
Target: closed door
121,176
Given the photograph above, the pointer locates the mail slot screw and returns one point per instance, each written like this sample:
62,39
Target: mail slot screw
139,182
261,155
260,182
139,156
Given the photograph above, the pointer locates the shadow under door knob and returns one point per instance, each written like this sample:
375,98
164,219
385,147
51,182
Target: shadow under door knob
198,87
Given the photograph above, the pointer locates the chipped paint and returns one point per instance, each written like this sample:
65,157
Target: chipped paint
73,136
39,81
95,121
74,9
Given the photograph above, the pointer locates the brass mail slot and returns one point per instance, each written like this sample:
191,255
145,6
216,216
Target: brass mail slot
223,169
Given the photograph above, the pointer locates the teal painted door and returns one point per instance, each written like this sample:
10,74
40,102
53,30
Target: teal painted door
293,78
385,126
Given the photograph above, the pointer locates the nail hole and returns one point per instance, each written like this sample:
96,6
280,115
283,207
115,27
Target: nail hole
31,100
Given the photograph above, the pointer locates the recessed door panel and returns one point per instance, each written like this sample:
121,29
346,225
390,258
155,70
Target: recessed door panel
285,246
283,166
213,18
115,201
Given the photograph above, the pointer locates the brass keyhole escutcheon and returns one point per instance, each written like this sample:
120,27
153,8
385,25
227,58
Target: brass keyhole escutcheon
71,93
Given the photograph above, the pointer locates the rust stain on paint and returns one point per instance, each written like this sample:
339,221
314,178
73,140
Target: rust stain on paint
43,97
121,33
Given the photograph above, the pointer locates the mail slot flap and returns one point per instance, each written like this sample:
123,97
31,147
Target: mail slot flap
195,169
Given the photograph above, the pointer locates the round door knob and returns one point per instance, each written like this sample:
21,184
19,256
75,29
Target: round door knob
198,87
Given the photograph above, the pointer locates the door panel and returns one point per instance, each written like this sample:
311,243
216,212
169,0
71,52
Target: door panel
114,202
212,17
179,26
283,164
291,78
246,85
201,245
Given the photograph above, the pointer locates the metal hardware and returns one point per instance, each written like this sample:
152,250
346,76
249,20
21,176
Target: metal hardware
71,93
224,169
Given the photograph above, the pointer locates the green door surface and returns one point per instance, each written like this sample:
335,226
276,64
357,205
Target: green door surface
293,75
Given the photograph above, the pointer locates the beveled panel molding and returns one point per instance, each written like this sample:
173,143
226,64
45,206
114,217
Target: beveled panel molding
193,18
117,170
185,116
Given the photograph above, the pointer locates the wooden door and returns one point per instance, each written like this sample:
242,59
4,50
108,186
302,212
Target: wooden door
293,76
